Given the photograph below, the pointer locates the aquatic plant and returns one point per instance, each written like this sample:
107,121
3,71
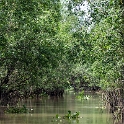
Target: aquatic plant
69,115
17,109
75,115
86,97
57,116
67,118
80,95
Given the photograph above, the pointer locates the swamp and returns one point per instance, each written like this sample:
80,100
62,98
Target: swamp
44,111
62,61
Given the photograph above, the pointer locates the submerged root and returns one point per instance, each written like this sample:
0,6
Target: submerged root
115,103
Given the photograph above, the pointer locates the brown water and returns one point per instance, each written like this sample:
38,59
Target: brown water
43,111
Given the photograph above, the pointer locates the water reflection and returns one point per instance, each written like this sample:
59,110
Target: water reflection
43,110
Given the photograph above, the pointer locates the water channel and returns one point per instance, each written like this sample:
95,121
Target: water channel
44,111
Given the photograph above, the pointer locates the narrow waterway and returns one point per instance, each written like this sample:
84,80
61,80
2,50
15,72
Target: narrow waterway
44,111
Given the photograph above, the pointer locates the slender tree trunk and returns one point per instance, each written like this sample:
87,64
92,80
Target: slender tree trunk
4,93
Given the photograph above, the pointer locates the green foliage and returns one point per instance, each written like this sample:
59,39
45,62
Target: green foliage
44,44
68,118
98,47
69,115
17,110
107,50
72,116
29,46
81,95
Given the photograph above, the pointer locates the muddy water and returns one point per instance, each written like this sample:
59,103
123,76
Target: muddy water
44,111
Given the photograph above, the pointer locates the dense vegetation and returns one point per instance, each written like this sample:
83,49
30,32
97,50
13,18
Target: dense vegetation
48,46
